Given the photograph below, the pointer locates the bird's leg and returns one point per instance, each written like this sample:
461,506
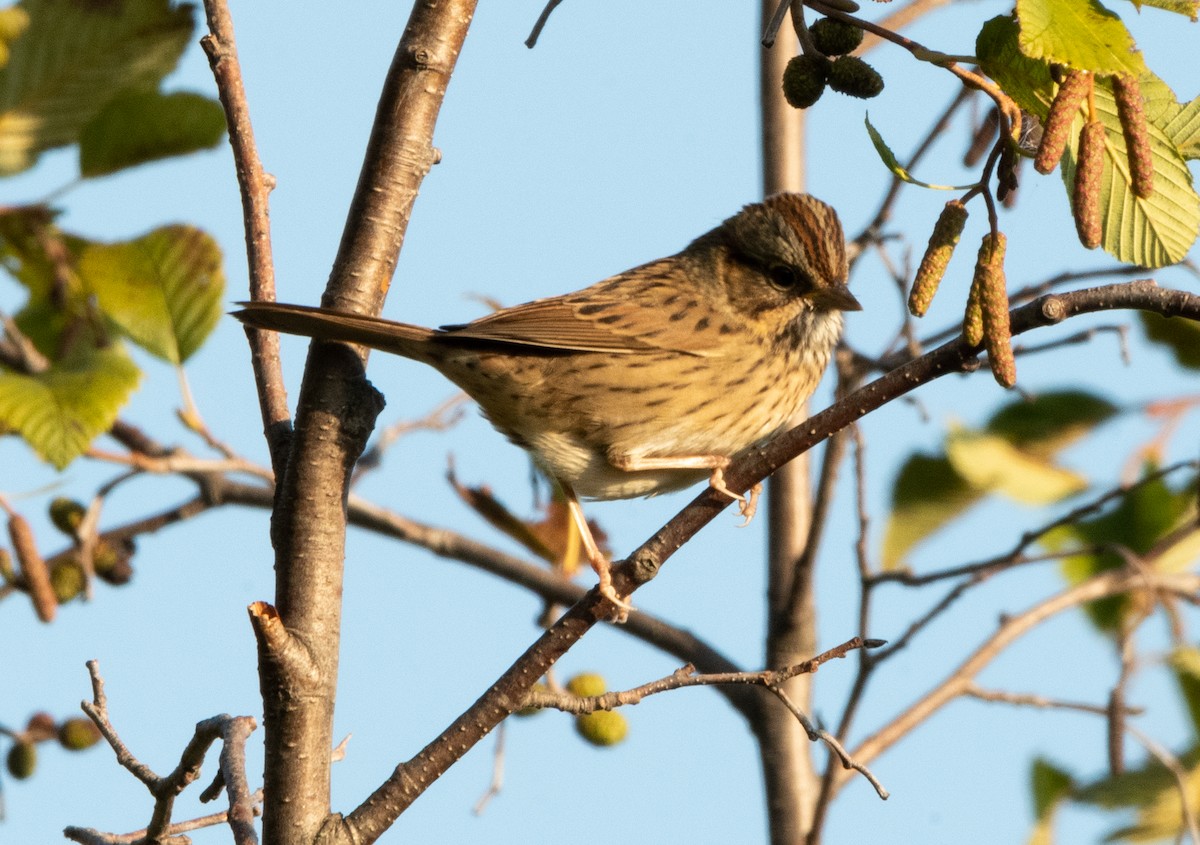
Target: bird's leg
747,505
596,557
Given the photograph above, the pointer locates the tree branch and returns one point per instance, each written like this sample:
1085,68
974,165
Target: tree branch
255,185
410,779
335,413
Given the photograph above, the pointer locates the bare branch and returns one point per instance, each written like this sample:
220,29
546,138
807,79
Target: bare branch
231,730
540,24
1041,702
960,680
255,185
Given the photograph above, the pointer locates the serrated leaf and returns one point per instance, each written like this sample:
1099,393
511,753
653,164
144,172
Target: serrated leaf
1185,663
72,60
1049,422
1080,34
1050,786
898,170
1182,7
1151,232
60,411
1154,231
1182,125
1180,336
927,494
141,126
163,289
992,464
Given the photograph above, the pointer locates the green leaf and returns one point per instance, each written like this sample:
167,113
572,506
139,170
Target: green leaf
1161,815
1132,788
60,411
141,126
990,463
163,290
1024,79
1050,422
1185,663
1140,519
1181,124
1180,336
898,169
1080,34
1153,231
1182,7
72,60
927,494
13,22
1051,786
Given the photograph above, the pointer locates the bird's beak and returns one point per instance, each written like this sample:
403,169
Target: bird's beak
836,298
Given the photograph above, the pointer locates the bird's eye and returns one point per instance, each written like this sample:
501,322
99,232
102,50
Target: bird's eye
785,278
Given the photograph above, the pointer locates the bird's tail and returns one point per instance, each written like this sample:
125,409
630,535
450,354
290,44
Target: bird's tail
325,324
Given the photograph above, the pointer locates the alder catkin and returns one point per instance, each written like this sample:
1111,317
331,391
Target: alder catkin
32,567
946,233
993,300
973,320
1067,101
1132,115
1085,198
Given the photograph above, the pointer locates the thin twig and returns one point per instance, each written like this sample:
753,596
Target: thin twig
497,782
687,676
1042,702
536,33
91,836
230,730
255,186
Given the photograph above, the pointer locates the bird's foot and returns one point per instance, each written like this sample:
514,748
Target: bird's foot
619,607
747,504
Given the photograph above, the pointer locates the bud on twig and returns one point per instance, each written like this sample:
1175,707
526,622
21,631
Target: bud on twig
946,233
1085,199
1058,123
993,299
32,567
1132,114
1006,173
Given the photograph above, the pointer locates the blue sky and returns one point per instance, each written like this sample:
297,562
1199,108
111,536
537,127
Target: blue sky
630,129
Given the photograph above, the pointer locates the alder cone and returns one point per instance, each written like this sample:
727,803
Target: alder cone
835,38
804,80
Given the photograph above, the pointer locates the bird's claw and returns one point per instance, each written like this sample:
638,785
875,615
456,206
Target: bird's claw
620,607
747,504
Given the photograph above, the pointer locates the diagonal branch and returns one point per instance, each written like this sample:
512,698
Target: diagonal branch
409,780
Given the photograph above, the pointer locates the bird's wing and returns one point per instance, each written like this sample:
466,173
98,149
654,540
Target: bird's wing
646,309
